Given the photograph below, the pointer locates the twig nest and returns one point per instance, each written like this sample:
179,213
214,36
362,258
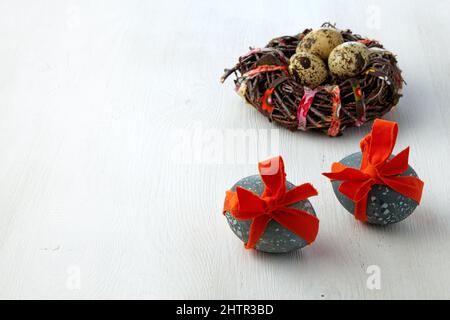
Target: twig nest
336,103
276,238
321,42
308,68
384,205
348,59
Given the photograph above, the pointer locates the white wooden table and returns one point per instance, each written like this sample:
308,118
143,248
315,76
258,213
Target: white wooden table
106,108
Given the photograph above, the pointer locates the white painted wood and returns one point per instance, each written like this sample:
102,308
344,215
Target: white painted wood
95,203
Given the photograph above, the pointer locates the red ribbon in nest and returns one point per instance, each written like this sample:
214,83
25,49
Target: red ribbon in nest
304,106
376,168
273,204
265,68
365,41
335,124
266,100
359,103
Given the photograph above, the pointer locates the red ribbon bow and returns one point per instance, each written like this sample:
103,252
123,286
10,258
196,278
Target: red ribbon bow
273,204
376,168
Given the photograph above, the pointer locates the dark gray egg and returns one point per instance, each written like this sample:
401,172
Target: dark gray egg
276,238
384,205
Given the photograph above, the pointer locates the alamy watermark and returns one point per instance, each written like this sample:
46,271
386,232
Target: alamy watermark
201,145
373,14
73,17
373,282
73,280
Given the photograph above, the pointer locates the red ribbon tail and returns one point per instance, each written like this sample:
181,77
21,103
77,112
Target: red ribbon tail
274,178
356,190
299,193
396,165
341,172
410,187
382,142
361,209
300,222
257,229
231,203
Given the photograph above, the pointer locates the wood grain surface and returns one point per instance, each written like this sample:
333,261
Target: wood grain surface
118,142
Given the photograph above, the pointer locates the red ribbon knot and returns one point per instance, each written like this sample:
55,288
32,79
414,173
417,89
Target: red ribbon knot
377,168
372,171
270,205
273,204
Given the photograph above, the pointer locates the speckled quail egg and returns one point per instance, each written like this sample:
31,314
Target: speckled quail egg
309,69
321,42
348,59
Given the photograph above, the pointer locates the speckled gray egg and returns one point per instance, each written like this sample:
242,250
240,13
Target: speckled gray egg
384,205
321,42
276,238
348,59
308,69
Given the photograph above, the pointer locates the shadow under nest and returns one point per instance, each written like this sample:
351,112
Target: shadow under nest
263,79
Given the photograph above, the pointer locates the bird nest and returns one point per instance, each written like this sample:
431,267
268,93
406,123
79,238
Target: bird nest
264,81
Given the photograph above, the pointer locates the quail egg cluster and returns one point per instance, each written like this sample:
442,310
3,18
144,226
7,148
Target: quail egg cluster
323,52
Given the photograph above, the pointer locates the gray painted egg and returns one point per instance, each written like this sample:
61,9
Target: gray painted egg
384,205
276,238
